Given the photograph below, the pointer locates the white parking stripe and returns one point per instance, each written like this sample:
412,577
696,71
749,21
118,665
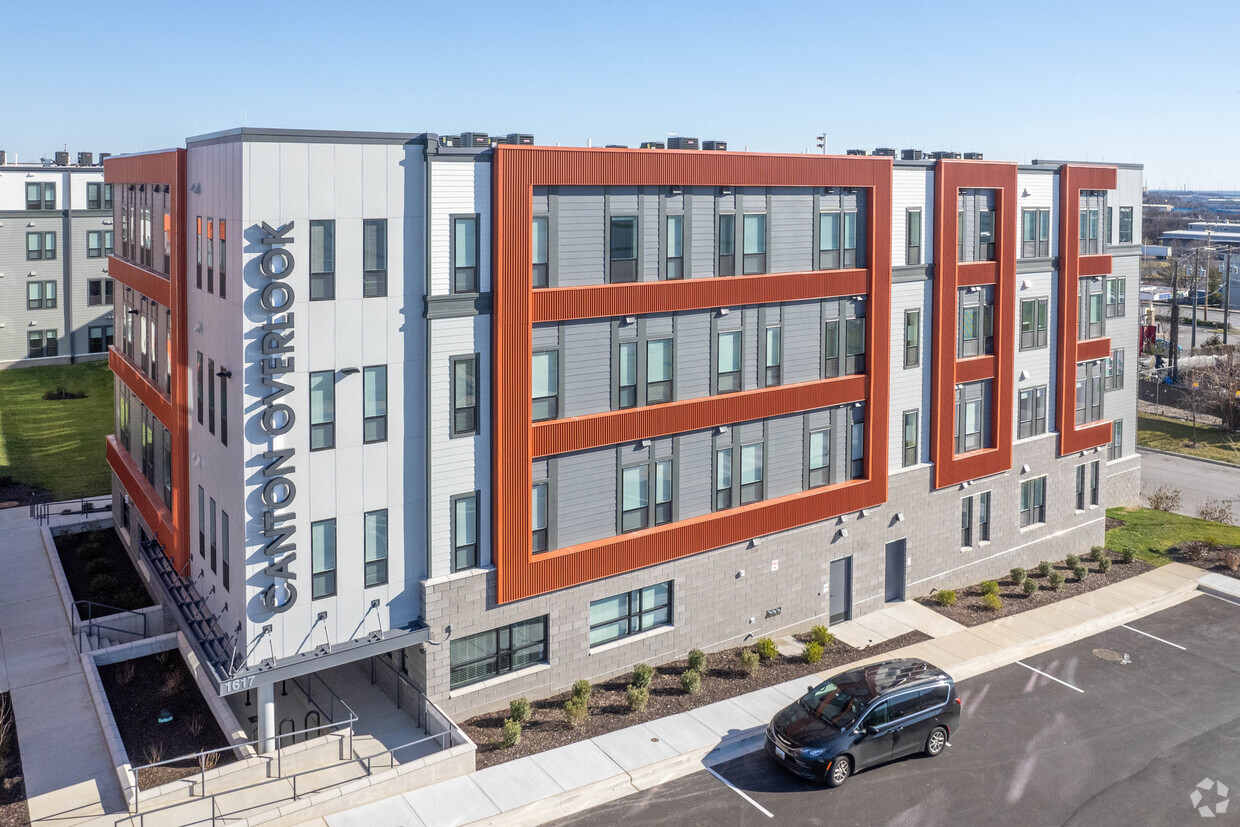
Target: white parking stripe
741,793
1160,640
1052,677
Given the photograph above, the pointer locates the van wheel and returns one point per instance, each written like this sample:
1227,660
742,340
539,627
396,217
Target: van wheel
841,768
936,742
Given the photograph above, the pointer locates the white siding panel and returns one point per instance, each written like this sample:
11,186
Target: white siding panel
1038,363
910,387
458,189
910,189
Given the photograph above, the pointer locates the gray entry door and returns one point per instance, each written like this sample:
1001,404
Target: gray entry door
895,571
840,594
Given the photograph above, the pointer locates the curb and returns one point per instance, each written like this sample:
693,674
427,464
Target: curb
1235,466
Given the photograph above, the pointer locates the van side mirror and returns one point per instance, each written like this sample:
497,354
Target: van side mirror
871,730
809,688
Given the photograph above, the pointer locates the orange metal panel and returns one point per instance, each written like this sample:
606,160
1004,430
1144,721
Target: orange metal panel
147,282
976,368
156,401
1097,265
144,496
970,273
516,171
1092,349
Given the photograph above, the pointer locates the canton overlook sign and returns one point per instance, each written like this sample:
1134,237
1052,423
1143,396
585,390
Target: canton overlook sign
275,417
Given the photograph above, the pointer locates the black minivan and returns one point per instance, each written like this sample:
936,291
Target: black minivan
863,717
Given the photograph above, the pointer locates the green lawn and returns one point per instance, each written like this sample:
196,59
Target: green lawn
1150,533
56,445
1165,434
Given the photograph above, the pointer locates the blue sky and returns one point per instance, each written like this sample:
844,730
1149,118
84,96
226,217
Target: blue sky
1153,82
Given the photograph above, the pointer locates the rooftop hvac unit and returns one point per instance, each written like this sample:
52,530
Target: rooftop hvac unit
944,154
616,146
62,159
715,146
475,140
856,152
678,142
450,140
910,155
520,139
4,158
885,151
86,159
103,156
973,156
652,145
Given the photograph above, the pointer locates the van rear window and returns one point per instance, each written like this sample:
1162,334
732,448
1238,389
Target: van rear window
933,696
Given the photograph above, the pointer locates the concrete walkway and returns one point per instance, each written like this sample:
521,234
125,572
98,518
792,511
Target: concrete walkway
573,778
69,774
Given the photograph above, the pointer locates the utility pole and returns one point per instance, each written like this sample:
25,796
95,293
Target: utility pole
1192,347
1173,346
1227,296
822,143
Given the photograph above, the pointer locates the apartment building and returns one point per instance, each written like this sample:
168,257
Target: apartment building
56,297
514,415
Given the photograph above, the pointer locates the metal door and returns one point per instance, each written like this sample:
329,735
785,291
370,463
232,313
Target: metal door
896,562
840,592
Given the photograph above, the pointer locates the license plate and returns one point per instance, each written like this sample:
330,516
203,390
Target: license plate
780,753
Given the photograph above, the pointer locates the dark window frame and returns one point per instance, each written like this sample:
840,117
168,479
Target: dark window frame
458,425
465,556
912,252
505,658
1033,514
623,270
912,352
634,618
544,408
909,452
472,273
374,424
323,427
323,580
323,282
374,278
375,568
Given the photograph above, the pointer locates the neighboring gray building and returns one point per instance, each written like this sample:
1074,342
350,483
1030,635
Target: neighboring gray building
55,238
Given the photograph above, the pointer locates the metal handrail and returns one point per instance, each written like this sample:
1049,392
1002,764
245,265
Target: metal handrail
92,627
391,752
91,604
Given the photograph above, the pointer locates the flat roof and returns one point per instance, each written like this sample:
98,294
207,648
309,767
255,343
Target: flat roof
307,136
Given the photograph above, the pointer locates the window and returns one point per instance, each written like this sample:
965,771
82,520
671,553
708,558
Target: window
375,556
40,246
755,244
856,445
497,652
627,360
123,416
1080,488
912,338
1095,482
202,523
107,242
828,241
986,235
983,517
728,361
751,473
960,235
1116,449
465,532
40,343
658,371
1035,233
630,613
664,491
322,410
465,254
148,447
214,539
634,501
100,338
623,240
322,559
851,258
1088,231
1110,225
464,395
727,244
538,502
224,409
976,321
819,459
912,235
966,522
831,349
723,478
773,358
1125,225
197,247
1113,372
211,395
94,244
546,385
1034,321
911,432
99,291
1116,299
854,340
1032,416
1089,390
1091,321
224,550
210,253
972,417
40,196
374,404
374,257
675,262
539,256
1033,502
40,295
322,260
223,254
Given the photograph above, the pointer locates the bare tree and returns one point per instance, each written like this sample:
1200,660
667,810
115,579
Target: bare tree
1219,387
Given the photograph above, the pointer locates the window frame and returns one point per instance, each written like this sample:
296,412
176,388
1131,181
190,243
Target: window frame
754,490
1125,236
323,423
661,395
817,476
1035,423
457,411
540,271
912,221
912,346
375,559
455,270
909,450
638,517
755,263
49,343
374,279
546,407
772,373
1033,504
673,266
374,417
725,263
618,269
634,618
830,258
465,556
1037,336
323,282
535,546
966,522
736,377
505,658
325,576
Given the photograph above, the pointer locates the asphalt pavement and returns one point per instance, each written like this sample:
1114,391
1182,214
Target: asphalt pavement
1199,481
1136,725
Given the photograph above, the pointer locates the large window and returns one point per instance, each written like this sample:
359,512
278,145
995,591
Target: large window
201,380
911,431
674,263
1088,231
322,260
215,552
100,338
1091,312
1116,289
723,478
831,348
983,517
498,651
912,235
664,491
224,407
40,343
374,404
1035,234
727,244
40,246
540,253
374,257
1080,488
1125,225
1116,449
854,340
728,361
202,523
658,371
224,544
752,473
210,248
1034,321
322,410
1031,419
465,532
1033,502
976,321
635,498
1095,482
465,254
223,254
99,291
1113,372
323,559
966,522
40,196
623,244
464,395
773,357
818,460
972,417
856,445
211,395
630,613
546,385
912,338
539,508
40,295
755,243
852,241
829,241
986,235
1089,392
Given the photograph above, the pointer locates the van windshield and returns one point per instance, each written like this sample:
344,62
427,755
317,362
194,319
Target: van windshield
834,704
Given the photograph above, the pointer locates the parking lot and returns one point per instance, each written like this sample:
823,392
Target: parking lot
1119,728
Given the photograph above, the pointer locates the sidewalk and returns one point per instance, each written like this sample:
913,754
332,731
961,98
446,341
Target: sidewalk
573,778
69,773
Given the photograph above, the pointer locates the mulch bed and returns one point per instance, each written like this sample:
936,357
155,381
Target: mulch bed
13,809
98,569
722,678
16,494
1114,523
1210,559
969,610
138,691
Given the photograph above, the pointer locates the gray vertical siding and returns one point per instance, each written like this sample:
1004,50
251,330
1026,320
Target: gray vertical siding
586,484
579,236
786,455
790,231
693,361
802,334
587,367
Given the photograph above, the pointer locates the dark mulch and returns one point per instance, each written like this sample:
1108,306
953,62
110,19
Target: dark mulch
722,678
1210,559
160,683
969,610
59,394
98,569
1114,523
16,494
13,809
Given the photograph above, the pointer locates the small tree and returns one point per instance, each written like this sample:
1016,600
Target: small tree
1019,575
511,734
750,661
690,681
643,674
697,660
812,652
519,710
576,711
637,697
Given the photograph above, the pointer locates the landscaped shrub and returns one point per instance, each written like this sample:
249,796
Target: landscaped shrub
749,661
812,652
1018,575
697,660
1213,542
98,566
1232,560
821,636
1216,511
1097,553
103,586
512,734
990,587
643,674
1045,568
1128,554
1193,550
1055,581
945,597
992,602
1165,498
576,711
90,551
637,697
519,710
690,681
767,648
1072,561
1104,565
1079,572
582,689
1030,586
